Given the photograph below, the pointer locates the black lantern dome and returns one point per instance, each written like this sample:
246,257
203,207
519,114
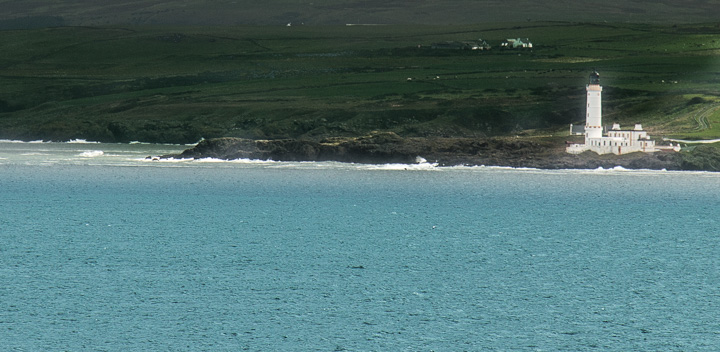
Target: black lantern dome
594,78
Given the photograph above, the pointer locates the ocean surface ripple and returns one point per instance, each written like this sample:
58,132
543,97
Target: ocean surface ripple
103,250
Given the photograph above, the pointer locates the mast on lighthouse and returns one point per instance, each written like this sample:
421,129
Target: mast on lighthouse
593,120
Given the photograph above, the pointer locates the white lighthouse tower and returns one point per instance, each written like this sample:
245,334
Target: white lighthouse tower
617,141
593,119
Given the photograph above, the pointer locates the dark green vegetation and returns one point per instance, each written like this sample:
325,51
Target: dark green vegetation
178,84
18,14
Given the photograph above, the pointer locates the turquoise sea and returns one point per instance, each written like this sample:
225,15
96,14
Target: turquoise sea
102,250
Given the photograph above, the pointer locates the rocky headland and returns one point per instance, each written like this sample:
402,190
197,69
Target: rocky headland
388,147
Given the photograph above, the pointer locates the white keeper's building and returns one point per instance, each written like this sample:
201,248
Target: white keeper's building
617,141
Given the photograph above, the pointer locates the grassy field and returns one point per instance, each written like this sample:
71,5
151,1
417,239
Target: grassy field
179,84
34,13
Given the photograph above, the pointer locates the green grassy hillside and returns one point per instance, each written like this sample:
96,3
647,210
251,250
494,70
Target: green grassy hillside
34,13
178,84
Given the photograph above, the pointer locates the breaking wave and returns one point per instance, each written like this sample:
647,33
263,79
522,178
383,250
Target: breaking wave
92,153
81,141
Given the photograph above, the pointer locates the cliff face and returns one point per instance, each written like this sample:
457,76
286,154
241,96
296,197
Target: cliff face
388,147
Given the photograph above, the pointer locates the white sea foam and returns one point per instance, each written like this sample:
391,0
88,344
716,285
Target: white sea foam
81,141
232,161
616,168
422,166
166,160
513,168
621,169
252,161
15,141
92,153
215,160
210,160
167,144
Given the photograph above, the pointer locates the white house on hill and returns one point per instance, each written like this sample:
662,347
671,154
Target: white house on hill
517,43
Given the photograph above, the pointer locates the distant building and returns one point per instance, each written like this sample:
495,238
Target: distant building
617,141
517,43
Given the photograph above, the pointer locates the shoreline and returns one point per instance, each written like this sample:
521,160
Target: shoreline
389,148
382,148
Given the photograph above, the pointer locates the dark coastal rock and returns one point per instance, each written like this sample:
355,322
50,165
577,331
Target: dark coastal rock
376,148
388,147
224,148
590,160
